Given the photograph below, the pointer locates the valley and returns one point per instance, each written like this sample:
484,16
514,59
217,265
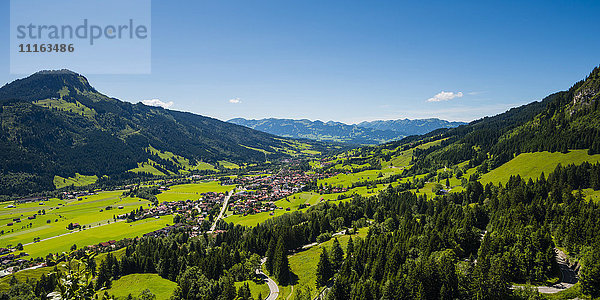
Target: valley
484,208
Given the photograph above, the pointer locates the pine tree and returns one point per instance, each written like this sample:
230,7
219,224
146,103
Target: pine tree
324,271
590,273
281,265
350,247
337,255
270,255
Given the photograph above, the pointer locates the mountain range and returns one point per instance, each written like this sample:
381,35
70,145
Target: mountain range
54,123
374,132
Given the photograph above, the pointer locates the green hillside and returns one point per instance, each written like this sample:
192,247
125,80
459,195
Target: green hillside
531,165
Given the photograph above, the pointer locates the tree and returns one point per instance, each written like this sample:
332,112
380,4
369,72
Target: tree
324,270
337,255
350,246
76,281
270,255
590,273
281,265
436,188
244,292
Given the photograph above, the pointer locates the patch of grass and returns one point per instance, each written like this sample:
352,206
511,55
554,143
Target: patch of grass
72,107
135,283
255,288
35,274
531,165
181,161
294,201
147,167
78,180
589,194
228,165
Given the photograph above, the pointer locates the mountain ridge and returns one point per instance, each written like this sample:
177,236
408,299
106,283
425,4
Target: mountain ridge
56,123
374,132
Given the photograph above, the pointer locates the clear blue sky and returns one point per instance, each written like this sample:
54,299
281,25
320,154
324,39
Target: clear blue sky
351,61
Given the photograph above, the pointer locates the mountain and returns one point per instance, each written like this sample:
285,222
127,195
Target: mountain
410,127
560,122
54,123
375,132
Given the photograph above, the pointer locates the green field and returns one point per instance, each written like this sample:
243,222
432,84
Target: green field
95,235
403,158
183,163
135,283
78,180
63,105
531,165
192,191
59,213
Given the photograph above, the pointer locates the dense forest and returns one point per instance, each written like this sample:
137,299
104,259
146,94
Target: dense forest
469,245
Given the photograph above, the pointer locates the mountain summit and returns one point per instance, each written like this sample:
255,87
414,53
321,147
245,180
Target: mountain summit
54,123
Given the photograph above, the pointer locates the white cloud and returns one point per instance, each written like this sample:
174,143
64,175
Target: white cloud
157,102
445,96
235,100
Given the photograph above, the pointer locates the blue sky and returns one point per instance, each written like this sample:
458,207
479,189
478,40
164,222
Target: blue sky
356,60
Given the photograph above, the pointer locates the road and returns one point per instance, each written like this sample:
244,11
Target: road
567,274
223,209
273,288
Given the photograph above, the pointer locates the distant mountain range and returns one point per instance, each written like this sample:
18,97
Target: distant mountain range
374,132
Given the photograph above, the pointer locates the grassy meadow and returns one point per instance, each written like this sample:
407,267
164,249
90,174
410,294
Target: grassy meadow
135,283
78,180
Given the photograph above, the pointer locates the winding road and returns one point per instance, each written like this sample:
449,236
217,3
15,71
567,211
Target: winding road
273,288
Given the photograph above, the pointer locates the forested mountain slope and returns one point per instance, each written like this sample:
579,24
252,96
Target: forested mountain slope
562,121
56,123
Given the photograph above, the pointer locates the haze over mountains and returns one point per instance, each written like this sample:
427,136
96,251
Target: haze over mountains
374,132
